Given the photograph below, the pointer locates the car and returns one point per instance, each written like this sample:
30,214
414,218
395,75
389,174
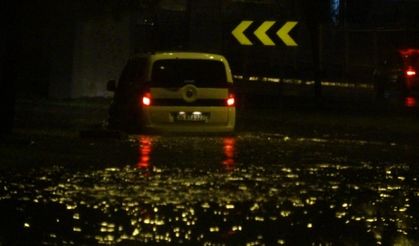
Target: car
174,92
397,75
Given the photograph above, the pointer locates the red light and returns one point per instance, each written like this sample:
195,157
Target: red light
144,150
410,102
230,100
228,147
409,52
146,99
410,72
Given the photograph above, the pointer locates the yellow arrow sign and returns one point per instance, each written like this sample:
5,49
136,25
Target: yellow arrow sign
260,33
283,33
238,32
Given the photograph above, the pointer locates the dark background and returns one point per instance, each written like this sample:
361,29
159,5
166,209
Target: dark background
70,49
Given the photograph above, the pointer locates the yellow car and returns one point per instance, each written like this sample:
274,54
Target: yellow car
174,92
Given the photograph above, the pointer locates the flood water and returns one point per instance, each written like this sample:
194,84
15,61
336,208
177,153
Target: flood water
249,189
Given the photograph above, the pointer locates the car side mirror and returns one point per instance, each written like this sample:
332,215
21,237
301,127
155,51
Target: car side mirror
111,86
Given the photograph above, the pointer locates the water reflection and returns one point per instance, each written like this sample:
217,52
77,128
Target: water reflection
228,150
144,151
151,151
317,204
327,201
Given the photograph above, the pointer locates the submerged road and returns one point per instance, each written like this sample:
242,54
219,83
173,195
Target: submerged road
276,185
247,189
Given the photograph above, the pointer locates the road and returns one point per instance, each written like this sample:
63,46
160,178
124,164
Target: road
296,176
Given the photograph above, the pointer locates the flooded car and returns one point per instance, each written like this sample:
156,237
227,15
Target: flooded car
174,92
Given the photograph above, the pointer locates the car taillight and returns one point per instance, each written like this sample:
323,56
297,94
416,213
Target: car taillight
230,100
410,72
146,100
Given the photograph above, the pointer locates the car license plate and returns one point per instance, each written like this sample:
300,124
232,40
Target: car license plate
191,117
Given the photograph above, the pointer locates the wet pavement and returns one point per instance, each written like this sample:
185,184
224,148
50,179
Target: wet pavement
252,188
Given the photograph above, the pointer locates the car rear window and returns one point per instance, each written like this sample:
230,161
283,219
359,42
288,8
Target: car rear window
177,72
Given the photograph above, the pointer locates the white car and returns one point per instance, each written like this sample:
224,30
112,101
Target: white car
174,92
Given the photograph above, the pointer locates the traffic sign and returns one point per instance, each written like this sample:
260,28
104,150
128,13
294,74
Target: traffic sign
261,33
239,35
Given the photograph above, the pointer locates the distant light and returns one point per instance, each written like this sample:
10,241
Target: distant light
410,102
335,10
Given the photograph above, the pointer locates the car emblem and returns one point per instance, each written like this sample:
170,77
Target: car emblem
189,93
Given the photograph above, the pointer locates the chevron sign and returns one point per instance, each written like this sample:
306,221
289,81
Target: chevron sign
261,33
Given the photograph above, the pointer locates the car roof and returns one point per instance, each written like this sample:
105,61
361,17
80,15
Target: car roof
181,55
167,55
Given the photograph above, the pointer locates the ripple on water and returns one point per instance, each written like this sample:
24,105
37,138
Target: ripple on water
252,204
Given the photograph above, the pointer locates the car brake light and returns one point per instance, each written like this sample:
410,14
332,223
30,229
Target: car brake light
230,100
146,100
410,72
